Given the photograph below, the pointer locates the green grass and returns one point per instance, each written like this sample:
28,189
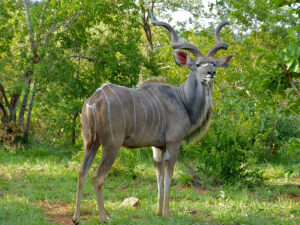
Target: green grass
38,186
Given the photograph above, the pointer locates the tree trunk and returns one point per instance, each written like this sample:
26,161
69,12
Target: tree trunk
14,99
146,25
147,29
26,132
24,103
73,135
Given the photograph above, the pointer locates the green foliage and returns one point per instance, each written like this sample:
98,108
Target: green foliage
79,45
293,148
126,164
226,151
240,138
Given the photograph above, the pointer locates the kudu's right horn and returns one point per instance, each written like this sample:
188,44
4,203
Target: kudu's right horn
219,44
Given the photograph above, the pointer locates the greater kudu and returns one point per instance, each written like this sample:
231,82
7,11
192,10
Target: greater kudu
155,114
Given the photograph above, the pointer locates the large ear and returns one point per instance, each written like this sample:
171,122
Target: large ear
224,61
181,58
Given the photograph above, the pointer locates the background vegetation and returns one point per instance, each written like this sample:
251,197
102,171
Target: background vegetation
55,54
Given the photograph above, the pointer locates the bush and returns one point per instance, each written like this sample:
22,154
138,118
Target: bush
11,136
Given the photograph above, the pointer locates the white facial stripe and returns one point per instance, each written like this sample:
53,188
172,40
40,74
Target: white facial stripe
206,64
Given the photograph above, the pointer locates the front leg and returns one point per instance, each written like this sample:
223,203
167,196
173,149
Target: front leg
158,156
170,157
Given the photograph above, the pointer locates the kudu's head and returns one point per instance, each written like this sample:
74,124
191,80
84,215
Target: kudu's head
204,67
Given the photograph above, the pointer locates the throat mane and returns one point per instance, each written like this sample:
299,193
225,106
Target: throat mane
201,115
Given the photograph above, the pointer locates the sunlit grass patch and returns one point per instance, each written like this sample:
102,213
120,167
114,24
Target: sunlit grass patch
17,210
43,186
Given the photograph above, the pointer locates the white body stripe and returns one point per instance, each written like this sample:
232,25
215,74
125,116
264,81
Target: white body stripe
100,88
142,131
163,110
150,97
151,108
134,111
124,118
108,114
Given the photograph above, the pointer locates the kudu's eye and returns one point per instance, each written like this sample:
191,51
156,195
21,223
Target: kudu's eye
198,64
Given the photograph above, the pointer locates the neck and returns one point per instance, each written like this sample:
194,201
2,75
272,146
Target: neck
196,95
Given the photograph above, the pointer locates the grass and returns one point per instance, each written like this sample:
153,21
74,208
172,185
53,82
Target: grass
38,186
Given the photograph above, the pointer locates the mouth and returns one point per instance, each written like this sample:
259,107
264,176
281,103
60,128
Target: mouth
210,76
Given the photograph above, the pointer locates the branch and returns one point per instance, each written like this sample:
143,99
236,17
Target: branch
163,68
4,111
42,14
4,94
42,19
30,33
24,103
289,77
287,108
63,24
30,109
84,57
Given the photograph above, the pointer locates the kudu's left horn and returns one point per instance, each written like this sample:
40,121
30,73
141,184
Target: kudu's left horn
174,39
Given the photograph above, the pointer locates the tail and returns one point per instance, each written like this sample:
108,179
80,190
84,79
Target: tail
93,116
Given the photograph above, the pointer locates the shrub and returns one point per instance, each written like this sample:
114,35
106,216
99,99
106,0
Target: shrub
11,136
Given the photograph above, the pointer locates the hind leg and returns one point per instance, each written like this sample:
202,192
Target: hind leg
89,155
109,154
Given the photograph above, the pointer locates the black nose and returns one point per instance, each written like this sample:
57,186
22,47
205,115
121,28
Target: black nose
211,73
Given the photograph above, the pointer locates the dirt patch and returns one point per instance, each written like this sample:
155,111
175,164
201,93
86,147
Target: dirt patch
197,215
14,174
57,212
201,191
122,188
295,198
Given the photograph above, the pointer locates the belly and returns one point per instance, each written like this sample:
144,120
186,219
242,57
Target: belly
144,140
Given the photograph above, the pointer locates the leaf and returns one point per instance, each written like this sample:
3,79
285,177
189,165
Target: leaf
292,34
259,59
